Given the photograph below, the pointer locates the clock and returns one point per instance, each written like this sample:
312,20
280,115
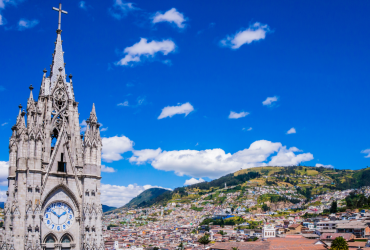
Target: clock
58,216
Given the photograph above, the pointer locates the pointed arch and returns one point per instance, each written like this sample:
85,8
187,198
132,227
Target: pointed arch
68,191
65,237
50,238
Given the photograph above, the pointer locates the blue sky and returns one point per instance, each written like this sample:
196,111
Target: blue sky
202,88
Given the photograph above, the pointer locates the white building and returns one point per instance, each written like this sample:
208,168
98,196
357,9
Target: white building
268,231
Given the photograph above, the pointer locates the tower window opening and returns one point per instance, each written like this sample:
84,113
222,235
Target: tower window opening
54,138
50,239
62,166
66,239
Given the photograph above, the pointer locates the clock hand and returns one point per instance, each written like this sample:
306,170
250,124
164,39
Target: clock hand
62,214
54,213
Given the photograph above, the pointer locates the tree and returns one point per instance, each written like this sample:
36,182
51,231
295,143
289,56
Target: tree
204,240
232,210
234,248
222,232
155,248
181,246
339,243
265,207
334,207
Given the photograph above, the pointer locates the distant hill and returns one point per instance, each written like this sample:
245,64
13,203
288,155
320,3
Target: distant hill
335,179
105,208
146,198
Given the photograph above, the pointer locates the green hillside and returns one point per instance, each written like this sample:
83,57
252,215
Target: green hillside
309,181
107,208
146,198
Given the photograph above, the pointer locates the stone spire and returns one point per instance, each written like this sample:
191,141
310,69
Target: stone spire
58,61
93,119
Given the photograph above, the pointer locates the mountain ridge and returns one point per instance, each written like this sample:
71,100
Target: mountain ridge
325,179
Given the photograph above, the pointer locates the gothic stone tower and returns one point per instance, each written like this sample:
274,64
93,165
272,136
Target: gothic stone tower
54,172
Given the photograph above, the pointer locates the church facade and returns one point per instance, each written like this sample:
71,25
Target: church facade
54,172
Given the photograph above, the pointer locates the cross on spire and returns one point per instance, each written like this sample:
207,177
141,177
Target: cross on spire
60,14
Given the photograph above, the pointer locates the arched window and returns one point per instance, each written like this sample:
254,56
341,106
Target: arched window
66,239
50,239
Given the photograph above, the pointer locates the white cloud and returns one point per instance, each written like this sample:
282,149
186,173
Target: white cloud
270,100
214,163
254,32
4,2
145,49
249,129
171,16
287,157
107,169
142,156
117,196
140,100
83,125
1,20
125,104
104,129
325,166
291,131
367,152
193,181
3,196
234,115
3,124
82,5
294,149
114,146
120,9
27,24
4,172
170,111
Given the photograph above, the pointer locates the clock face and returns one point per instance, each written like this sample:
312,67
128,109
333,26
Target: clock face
58,216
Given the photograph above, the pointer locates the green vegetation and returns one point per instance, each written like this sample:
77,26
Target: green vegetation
275,198
204,240
265,207
230,180
236,220
199,209
146,198
107,208
339,243
328,180
111,225
354,200
334,207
